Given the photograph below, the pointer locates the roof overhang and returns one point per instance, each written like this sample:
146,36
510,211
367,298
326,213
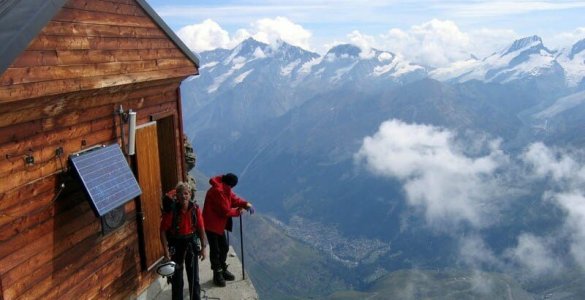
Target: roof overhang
20,22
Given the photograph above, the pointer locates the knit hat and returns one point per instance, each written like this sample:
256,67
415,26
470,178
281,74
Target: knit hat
230,179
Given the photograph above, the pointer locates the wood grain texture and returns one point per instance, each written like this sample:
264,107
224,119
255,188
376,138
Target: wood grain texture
57,42
148,169
130,9
14,76
31,58
62,91
92,45
103,18
74,268
94,125
94,30
16,113
35,216
69,232
55,87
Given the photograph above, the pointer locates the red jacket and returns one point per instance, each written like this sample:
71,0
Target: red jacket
220,205
185,226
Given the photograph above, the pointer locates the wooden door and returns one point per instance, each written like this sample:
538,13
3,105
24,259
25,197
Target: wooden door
148,173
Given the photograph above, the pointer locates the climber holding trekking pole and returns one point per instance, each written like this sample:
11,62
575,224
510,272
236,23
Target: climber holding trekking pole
221,204
182,235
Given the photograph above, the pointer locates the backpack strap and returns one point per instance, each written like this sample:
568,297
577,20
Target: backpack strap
177,219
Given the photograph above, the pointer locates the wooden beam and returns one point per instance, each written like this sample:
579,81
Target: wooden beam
52,102
14,76
31,58
105,6
81,16
58,42
95,30
181,136
132,2
158,116
37,89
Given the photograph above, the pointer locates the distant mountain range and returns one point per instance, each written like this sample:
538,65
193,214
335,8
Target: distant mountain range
290,123
255,82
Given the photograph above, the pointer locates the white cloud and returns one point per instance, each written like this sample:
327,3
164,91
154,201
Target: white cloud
439,178
438,43
574,204
364,42
385,56
533,254
435,43
204,36
486,41
209,35
567,39
474,252
271,31
566,187
558,164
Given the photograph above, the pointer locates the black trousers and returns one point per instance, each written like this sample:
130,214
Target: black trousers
185,250
218,249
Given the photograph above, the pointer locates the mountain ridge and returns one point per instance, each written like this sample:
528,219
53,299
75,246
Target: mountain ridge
290,123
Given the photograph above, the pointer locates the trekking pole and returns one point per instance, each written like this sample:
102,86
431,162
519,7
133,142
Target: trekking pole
242,247
193,261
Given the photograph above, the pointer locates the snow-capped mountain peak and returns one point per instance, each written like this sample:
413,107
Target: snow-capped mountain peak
525,58
344,51
524,44
284,64
577,48
573,62
249,46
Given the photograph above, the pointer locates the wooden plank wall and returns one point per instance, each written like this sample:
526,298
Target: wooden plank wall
93,44
61,92
51,248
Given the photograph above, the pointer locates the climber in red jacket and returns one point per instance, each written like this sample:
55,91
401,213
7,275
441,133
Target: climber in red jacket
221,203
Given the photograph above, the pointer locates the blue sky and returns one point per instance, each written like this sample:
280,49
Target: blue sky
479,27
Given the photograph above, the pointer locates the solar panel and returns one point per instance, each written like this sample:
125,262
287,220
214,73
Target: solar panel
106,177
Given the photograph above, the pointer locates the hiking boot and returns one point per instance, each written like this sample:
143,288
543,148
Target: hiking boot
218,279
227,275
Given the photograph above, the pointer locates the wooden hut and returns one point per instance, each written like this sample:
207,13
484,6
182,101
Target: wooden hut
70,71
